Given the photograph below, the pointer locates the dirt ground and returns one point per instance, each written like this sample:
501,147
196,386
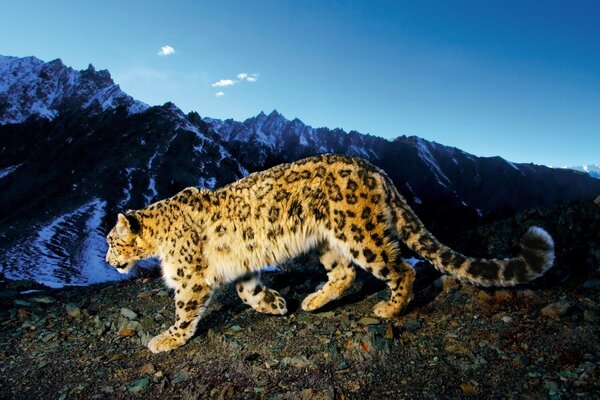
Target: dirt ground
454,341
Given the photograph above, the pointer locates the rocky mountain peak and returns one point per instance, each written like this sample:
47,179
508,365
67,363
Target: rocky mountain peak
32,87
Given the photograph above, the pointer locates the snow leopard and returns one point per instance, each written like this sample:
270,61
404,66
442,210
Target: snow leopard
344,207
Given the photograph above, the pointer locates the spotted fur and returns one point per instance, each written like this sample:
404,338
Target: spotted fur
344,206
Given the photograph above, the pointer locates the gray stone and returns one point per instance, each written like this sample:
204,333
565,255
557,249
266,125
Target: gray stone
412,325
591,284
182,377
129,314
368,321
138,386
296,361
73,310
556,310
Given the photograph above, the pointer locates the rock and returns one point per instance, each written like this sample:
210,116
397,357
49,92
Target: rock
457,349
502,295
23,303
591,316
73,310
138,386
158,376
449,283
43,299
147,322
468,388
296,361
551,387
389,332
181,377
526,294
129,314
126,332
591,284
411,325
484,296
556,310
368,321
148,369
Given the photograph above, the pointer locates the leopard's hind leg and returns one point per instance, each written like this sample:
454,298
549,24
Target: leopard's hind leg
254,293
340,274
386,264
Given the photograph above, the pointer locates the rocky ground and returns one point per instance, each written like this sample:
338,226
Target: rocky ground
535,341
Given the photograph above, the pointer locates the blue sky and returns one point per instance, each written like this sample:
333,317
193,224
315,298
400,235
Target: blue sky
510,78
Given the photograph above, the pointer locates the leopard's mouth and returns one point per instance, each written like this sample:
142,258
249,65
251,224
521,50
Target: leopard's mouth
124,268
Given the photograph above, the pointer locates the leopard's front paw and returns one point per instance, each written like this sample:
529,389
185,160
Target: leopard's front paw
271,302
164,342
313,301
386,309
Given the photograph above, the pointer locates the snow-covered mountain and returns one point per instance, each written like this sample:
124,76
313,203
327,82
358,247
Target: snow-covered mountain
592,170
75,150
29,86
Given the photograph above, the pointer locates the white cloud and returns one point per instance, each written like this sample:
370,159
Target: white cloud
166,50
244,76
220,94
224,83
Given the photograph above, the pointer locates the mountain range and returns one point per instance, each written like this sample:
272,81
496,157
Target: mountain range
75,150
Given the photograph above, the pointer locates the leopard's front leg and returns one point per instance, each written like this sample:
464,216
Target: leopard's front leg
190,304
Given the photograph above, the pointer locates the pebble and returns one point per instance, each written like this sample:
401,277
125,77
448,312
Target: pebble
368,321
591,316
148,369
458,349
556,310
23,303
389,332
296,361
551,387
468,388
73,310
412,325
448,283
591,284
182,377
43,299
129,314
126,332
484,296
138,386
502,295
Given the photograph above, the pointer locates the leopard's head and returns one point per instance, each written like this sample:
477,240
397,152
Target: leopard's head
126,244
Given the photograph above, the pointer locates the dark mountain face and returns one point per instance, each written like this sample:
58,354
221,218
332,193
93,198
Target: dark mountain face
70,176
92,151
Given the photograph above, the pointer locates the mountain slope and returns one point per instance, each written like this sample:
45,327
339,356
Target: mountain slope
74,173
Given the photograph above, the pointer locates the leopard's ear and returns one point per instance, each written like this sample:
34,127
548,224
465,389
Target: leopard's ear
123,229
127,224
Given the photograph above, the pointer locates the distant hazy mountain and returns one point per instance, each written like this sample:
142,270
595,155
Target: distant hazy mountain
75,150
592,170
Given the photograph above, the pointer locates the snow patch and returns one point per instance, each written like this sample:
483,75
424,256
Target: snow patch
8,170
61,253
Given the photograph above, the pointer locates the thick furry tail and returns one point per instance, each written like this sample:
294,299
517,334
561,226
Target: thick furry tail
535,258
